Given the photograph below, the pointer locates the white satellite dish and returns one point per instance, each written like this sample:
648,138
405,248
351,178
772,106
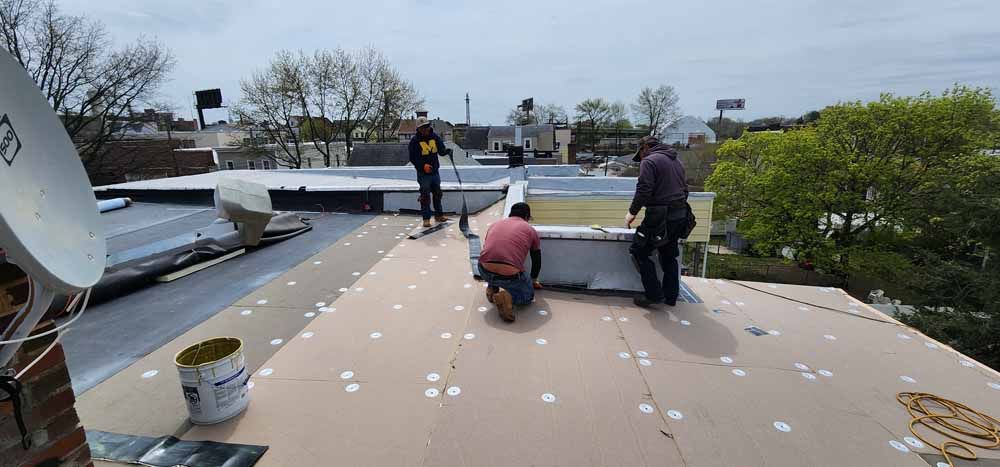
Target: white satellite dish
49,224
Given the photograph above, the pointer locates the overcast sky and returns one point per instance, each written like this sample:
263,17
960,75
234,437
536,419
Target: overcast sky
785,57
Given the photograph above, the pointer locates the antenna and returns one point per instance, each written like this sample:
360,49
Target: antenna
49,224
468,116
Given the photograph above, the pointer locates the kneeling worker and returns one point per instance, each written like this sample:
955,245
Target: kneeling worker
501,263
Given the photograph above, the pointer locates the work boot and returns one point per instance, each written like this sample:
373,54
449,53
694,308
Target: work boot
490,292
427,222
642,302
441,219
505,305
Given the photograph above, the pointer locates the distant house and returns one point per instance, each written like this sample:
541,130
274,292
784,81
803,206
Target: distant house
408,128
537,140
220,135
270,156
687,131
146,159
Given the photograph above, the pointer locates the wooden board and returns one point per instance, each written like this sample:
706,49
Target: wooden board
198,267
608,212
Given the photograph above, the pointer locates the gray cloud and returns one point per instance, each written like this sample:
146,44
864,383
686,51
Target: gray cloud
784,56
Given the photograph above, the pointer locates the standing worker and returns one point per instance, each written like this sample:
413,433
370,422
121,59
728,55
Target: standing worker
501,263
662,190
425,147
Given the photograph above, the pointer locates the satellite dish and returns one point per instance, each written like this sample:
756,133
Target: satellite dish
49,224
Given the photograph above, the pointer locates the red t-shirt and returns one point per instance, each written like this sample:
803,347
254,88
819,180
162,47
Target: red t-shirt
509,241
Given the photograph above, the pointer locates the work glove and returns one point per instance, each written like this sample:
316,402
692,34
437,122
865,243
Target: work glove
428,168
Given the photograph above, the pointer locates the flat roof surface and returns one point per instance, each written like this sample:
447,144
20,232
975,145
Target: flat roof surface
114,334
290,180
407,364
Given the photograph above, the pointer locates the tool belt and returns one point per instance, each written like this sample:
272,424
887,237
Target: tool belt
654,226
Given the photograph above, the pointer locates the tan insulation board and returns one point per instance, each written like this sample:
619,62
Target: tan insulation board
591,381
152,406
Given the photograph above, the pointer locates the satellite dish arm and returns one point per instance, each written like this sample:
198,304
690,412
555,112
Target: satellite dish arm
39,303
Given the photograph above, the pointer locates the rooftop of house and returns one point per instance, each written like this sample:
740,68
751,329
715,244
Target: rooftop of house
527,131
369,348
476,138
408,126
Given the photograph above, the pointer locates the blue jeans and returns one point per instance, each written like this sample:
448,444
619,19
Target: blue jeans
430,185
520,286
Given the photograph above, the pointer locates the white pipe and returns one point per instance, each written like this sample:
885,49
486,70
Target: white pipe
106,205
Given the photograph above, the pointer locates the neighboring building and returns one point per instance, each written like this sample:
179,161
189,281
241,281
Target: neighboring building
148,159
687,131
408,127
475,138
564,137
221,135
537,140
269,157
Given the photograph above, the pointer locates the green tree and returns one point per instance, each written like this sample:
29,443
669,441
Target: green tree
729,129
862,169
901,187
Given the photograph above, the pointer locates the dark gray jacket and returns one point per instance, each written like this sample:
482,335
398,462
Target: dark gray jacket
661,180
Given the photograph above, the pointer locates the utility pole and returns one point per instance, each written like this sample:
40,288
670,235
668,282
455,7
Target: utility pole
468,116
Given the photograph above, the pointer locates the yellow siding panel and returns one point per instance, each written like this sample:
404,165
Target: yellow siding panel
608,212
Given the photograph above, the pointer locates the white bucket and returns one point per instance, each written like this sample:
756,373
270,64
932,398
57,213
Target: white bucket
214,379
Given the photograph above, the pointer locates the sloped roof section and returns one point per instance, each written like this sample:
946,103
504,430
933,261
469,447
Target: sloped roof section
476,137
379,154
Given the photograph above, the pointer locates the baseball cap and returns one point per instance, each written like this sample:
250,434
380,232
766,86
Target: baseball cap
645,140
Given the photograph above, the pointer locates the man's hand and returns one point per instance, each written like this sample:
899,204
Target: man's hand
629,219
536,285
428,168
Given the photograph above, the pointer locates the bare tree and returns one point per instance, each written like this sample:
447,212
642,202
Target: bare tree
520,117
344,80
618,115
396,98
163,116
275,101
551,113
543,113
591,114
656,107
88,82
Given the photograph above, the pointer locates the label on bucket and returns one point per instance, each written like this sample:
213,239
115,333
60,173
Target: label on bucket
193,399
229,391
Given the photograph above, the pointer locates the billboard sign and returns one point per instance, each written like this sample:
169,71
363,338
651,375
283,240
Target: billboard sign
730,104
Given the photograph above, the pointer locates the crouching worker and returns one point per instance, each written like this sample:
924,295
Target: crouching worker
501,263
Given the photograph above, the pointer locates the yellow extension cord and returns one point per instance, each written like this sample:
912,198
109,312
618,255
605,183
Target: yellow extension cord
983,429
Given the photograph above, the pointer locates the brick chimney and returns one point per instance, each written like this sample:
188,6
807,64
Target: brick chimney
47,400
421,113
